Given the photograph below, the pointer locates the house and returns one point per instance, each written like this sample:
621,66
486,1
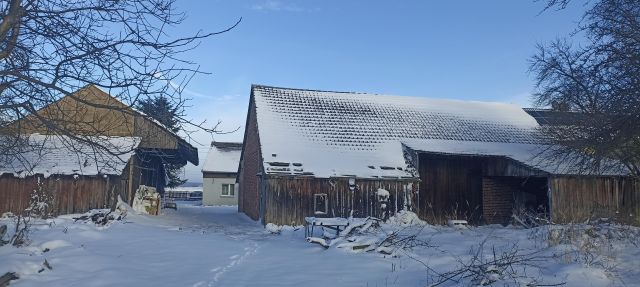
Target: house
340,154
81,176
219,174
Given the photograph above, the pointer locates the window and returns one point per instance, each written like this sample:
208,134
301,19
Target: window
320,203
228,189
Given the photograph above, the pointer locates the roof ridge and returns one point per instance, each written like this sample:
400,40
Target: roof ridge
390,95
310,90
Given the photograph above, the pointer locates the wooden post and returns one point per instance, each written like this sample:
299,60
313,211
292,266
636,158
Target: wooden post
130,193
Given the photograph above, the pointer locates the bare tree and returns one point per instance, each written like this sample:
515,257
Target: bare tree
51,48
596,84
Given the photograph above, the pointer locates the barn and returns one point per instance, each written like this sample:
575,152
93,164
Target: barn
340,154
134,150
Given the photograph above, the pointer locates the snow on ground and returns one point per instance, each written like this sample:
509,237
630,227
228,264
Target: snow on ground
216,246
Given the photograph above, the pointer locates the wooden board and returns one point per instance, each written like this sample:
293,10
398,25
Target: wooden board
104,116
71,195
451,188
288,200
576,199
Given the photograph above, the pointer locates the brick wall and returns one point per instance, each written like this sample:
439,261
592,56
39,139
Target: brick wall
249,197
497,199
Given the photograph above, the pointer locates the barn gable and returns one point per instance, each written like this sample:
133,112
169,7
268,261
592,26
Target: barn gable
93,112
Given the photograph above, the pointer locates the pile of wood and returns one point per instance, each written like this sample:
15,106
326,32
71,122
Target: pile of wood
99,217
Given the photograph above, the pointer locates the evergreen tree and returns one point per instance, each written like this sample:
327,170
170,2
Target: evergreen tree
168,114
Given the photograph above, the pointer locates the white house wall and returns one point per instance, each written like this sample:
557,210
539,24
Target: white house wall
212,191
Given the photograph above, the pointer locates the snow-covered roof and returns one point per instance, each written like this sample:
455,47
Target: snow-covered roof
62,155
223,157
521,152
537,156
328,134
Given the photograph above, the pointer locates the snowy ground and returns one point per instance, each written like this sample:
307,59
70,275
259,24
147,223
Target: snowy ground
216,246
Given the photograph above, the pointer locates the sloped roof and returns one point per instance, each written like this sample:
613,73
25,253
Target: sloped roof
326,134
223,157
61,155
555,118
77,114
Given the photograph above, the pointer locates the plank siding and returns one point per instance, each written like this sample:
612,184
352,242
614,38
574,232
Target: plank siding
75,116
290,199
450,187
80,118
71,195
576,199
74,195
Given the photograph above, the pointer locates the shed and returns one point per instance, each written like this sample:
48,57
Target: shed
219,174
91,114
305,150
79,176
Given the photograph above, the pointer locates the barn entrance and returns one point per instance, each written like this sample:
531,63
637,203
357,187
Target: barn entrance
502,195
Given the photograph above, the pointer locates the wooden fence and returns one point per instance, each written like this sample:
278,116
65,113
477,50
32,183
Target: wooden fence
70,194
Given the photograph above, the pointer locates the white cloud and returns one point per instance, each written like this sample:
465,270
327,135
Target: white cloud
195,94
522,99
275,5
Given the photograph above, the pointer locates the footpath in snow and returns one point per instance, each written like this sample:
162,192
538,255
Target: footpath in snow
217,246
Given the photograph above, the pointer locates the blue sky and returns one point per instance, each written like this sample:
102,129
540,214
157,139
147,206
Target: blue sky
474,50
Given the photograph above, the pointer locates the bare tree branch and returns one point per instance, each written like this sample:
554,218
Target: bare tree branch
51,49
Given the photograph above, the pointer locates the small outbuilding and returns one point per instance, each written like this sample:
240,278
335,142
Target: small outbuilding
128,149
340,154
219,174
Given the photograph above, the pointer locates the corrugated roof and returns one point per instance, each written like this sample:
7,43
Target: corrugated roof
328,134
223,157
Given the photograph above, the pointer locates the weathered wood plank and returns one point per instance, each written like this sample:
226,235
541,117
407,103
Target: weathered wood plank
576,199
71,195
290,199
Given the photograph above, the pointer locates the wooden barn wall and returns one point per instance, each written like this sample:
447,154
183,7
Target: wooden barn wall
575,199
288,200
251,164
71,195
81,118
450,187
153,136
